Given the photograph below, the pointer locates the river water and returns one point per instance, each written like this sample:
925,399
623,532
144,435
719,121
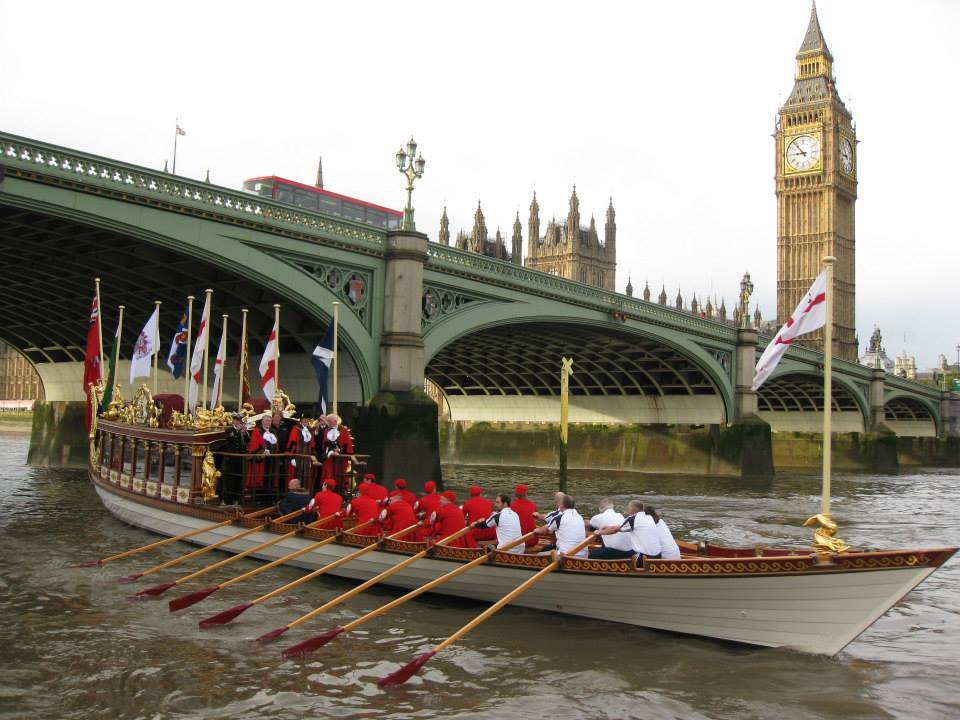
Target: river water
71,646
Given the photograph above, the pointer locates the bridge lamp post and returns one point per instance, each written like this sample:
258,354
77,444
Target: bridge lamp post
411,165
746,290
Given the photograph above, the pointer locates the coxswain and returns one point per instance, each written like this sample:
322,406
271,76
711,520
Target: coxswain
297,498
642,531
525,510
669,550
263,441
449,519
300,442
236,440
365,508
329,502
504,521
479,508
567,526
400,488
397,515
616,546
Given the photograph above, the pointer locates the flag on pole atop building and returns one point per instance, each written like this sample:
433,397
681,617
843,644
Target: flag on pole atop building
321,359
181,131
810,314
196,359
216,397
268,364
91,360
178,349
148,343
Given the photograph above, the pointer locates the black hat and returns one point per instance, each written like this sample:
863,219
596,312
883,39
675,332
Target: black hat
239,416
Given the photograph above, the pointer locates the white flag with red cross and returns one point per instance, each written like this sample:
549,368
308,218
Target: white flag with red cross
268,364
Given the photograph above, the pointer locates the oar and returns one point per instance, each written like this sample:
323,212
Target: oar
186,601
228,615
166,541
406,672
206,549
322,639
163,587
360,588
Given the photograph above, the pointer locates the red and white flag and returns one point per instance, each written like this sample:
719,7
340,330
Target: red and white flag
180,130
148,343
216,398
268,364
91,360
810,314
196,360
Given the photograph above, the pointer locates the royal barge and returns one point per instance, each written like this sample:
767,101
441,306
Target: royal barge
161,477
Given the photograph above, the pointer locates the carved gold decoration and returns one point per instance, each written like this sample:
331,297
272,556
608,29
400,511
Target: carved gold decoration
281,404
726,567
115,409
144,411
94,404
203,420
210,476
823,536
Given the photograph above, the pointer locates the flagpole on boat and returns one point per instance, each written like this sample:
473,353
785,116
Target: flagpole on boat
186,376
276,355
566,370
223,364
336,357
96,282
243,358
827,385
206,345
156,346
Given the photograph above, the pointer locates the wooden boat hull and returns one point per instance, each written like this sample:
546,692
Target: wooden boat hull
790,602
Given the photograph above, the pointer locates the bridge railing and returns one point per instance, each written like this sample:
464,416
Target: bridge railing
34,160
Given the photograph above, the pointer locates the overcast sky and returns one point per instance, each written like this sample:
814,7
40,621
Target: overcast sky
668,107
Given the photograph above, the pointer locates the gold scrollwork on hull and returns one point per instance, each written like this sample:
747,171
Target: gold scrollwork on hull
603,567
732,567
457,553
883,561
528,561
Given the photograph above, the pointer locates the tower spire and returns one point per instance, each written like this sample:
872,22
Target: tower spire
813,41
320,173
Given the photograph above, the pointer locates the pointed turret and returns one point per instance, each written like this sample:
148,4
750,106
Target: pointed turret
533,227
723,310
573,219
646,291
813,41
444,236
709,309
319,182
663,295
610,234
679,303
499,252
516,243
694,306
479,237
757,318
629,287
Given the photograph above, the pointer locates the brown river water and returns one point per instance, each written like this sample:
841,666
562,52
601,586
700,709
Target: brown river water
72,646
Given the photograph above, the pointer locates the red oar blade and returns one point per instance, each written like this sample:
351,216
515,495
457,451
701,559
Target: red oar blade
224,617
90,563
155,590
312,644
273,634
398,677
185,601
130,578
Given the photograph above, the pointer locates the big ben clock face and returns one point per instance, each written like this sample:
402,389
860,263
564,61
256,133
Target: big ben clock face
803,152
846,156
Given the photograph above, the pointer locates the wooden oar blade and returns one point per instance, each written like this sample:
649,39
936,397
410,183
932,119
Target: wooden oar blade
155,590
185,601
398,677
273,634
132,577
317,641
225,617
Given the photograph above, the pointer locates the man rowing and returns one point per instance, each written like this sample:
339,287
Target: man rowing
365,508
568,527
642,531
616,546
479,508
449,520
328,502
506,523
398,515
525,510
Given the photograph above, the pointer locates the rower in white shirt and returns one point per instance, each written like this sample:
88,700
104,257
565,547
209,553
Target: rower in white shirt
617,546
507,523
642,530
568,527
669,550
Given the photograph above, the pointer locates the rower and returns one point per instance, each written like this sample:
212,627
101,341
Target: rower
365,508
329,502
669,550
505,521
449,519
376,491
568,527
400,488
397,515
617,546
525,510
558,508
642,530
367,479
297,498
479,508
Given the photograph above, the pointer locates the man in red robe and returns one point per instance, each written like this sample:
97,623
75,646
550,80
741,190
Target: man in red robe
365,508
328,502
428,504
263,441
479,508
377,491
525,509
449,519
397,516
335,450
301,442
400,488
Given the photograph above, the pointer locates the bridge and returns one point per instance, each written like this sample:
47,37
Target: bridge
488,334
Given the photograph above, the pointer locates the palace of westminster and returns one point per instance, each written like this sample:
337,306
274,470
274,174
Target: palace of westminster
816,190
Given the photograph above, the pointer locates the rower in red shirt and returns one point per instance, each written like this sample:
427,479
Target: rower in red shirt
400,488
377,491
365,508
399,515
479,508
367,479
525,509
327,502
428,504
449,519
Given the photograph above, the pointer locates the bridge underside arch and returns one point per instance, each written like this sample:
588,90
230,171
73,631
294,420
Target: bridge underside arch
795,402
909,417
511,373
49,264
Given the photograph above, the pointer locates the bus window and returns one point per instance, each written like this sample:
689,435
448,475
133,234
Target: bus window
393,222
376,217
284,193
264,188
353,212
305,199
329,204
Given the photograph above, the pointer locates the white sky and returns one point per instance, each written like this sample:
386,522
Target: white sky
667,106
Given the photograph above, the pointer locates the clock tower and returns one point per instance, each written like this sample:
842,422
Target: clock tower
816,187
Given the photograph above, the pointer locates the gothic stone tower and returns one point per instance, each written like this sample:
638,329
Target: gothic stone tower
572,251
816,188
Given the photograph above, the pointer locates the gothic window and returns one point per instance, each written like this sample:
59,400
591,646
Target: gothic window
583,276
600,279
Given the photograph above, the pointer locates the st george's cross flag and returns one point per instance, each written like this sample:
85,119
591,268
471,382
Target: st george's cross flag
196,360
268,364
810,314
321,359
216,398
148,342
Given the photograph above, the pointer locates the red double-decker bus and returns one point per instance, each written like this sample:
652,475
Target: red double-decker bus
314,198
